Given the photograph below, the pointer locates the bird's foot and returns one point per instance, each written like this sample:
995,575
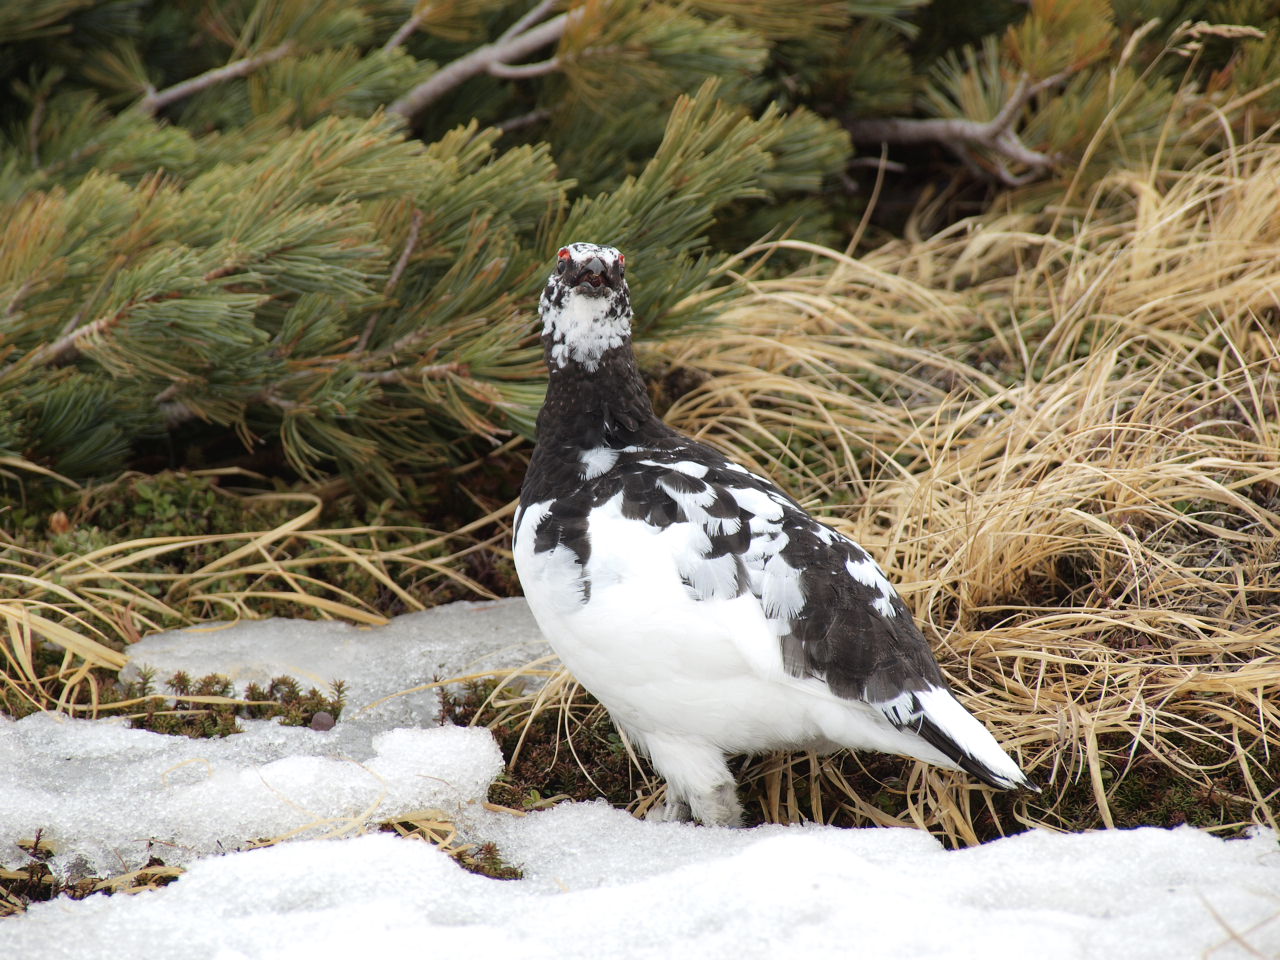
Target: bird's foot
718,807
669,811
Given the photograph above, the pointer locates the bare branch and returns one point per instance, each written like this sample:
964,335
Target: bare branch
406,29
15,302
510,46
902,130
534,15
405,343
963,136
156,101
1008,114
431,371
1040,86
33,130
280,403
410,241
879,163
168,393
524,120
67,347
520,70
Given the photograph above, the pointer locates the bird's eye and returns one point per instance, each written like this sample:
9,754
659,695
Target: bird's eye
560,267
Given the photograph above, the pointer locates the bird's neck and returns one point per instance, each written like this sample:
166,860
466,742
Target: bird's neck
607,405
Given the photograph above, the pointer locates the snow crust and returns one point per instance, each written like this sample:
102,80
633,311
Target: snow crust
597,882
108,798
374,662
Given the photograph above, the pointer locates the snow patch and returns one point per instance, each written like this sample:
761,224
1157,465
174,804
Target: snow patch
107,797
598,883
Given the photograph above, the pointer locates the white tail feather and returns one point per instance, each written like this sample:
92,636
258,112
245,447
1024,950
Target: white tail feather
971,737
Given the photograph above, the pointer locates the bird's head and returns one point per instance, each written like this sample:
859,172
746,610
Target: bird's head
585,306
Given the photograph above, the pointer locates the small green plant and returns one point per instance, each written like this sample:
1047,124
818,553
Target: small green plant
208,707
487,861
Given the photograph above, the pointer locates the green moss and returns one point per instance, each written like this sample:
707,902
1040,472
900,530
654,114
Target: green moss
60,521
188,717
486,860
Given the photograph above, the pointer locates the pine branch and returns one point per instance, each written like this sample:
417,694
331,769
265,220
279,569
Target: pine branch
520,40
66,349
405,343
410,242
963,136
15,301
178,413
33,130
155,101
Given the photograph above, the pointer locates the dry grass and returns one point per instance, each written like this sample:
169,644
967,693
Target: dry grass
91,606
20,887
1066,450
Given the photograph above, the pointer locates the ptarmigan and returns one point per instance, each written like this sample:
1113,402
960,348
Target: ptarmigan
707,611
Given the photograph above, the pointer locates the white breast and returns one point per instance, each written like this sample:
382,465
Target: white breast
656,658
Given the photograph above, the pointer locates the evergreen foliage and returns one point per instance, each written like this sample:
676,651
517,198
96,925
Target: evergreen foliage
316,228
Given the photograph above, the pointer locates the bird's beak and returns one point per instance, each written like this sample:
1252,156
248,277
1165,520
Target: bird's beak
593,278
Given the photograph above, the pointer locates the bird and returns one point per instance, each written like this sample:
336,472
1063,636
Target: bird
699,603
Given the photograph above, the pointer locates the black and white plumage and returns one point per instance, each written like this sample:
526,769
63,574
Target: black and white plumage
706,610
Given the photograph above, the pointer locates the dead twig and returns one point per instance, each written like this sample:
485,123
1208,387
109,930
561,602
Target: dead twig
519,40
157,100
524,120
963,136
520,71
432,371
406,29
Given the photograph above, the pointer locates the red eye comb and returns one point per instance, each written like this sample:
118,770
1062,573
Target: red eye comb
564,253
